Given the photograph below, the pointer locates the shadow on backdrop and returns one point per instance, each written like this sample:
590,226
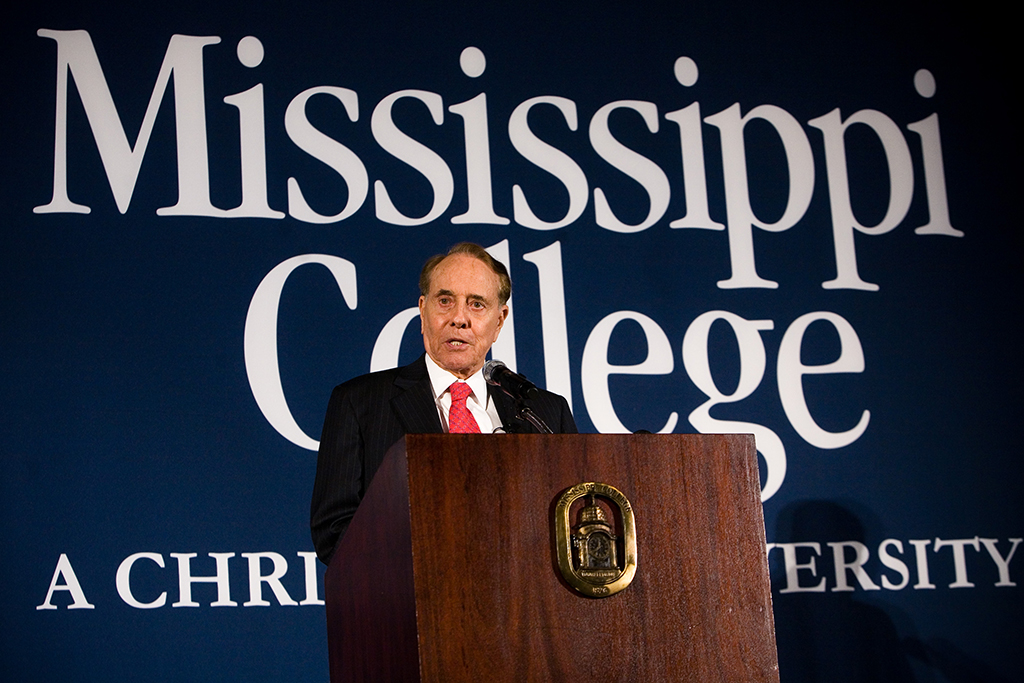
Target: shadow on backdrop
832,637
942,656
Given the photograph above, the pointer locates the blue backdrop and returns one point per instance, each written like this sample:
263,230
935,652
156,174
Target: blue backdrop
793,221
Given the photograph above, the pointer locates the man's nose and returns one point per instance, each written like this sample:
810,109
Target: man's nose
460,317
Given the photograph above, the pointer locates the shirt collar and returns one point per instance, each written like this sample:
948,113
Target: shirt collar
441,379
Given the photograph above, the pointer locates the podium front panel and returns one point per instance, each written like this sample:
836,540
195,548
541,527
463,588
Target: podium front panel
491,600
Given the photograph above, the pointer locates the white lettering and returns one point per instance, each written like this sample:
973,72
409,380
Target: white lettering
413,153
124,586
312,584
552,160
856,566
752,366
1003,564
596,369
695,183
221,578
894,563
793,567
934,179
478,146
337,156
389,341
121,161
921,557
478,163
257,579
260,341
71,585
959,558
504,348
557,377
844,223
740,215
253,145
638,167
791,370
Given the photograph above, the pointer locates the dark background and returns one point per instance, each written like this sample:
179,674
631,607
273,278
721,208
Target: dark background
129,425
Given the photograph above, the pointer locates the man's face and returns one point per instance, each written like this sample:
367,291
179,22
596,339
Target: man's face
461,316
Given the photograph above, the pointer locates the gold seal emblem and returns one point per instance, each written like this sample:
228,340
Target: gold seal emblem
597,554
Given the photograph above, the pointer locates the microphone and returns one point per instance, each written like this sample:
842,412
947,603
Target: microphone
515,385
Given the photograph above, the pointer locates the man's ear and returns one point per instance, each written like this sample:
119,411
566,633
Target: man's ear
423,300
504,315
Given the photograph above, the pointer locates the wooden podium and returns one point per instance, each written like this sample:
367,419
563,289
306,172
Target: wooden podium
448,571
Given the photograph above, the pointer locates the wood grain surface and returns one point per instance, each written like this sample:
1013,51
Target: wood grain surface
478,573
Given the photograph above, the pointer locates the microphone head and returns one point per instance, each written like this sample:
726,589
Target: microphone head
490,367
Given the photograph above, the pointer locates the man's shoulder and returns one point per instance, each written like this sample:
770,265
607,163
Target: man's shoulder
545,396
370,379
554,402
552,408
411,373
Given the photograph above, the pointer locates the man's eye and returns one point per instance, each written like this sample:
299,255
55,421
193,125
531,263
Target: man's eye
444,301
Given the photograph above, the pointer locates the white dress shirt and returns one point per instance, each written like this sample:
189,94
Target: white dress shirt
479,402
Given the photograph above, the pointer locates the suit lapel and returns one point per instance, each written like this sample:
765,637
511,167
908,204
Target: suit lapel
413,401
414,405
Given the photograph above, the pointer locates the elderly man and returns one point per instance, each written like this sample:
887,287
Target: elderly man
463,306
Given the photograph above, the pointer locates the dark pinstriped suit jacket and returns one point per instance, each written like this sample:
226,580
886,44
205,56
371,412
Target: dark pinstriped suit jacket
367,415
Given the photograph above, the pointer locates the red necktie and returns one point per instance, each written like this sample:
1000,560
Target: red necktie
460,421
